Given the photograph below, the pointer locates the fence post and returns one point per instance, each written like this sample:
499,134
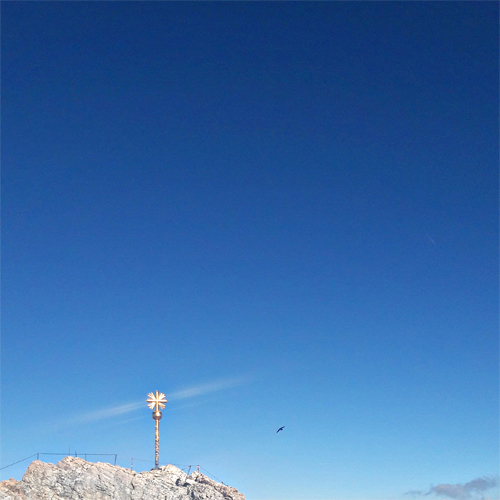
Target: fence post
115,458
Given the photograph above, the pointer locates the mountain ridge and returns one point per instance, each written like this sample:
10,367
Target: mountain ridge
76,479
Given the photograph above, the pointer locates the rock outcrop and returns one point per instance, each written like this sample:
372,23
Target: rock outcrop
75,479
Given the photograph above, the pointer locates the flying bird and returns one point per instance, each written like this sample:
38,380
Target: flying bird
280,429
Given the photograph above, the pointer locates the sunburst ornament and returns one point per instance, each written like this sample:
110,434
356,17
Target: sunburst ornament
156,401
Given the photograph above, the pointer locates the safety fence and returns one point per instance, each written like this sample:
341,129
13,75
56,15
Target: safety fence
115,458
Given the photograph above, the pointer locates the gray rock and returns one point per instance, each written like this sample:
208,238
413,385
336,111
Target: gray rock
75,479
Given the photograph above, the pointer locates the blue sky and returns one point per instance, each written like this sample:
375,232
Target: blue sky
275,213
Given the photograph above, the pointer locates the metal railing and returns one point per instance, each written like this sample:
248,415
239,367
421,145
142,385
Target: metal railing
115,455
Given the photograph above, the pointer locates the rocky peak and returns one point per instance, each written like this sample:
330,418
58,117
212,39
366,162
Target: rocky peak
76,479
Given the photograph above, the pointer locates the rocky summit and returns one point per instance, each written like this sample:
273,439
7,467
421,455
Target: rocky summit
76,479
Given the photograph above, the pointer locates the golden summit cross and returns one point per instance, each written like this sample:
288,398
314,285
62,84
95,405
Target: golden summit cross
155,402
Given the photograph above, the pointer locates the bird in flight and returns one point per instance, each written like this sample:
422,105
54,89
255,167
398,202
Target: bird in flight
280,429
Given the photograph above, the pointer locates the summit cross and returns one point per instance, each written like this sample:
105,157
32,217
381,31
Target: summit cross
156,402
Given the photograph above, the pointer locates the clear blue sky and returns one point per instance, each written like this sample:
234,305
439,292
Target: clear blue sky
276,214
